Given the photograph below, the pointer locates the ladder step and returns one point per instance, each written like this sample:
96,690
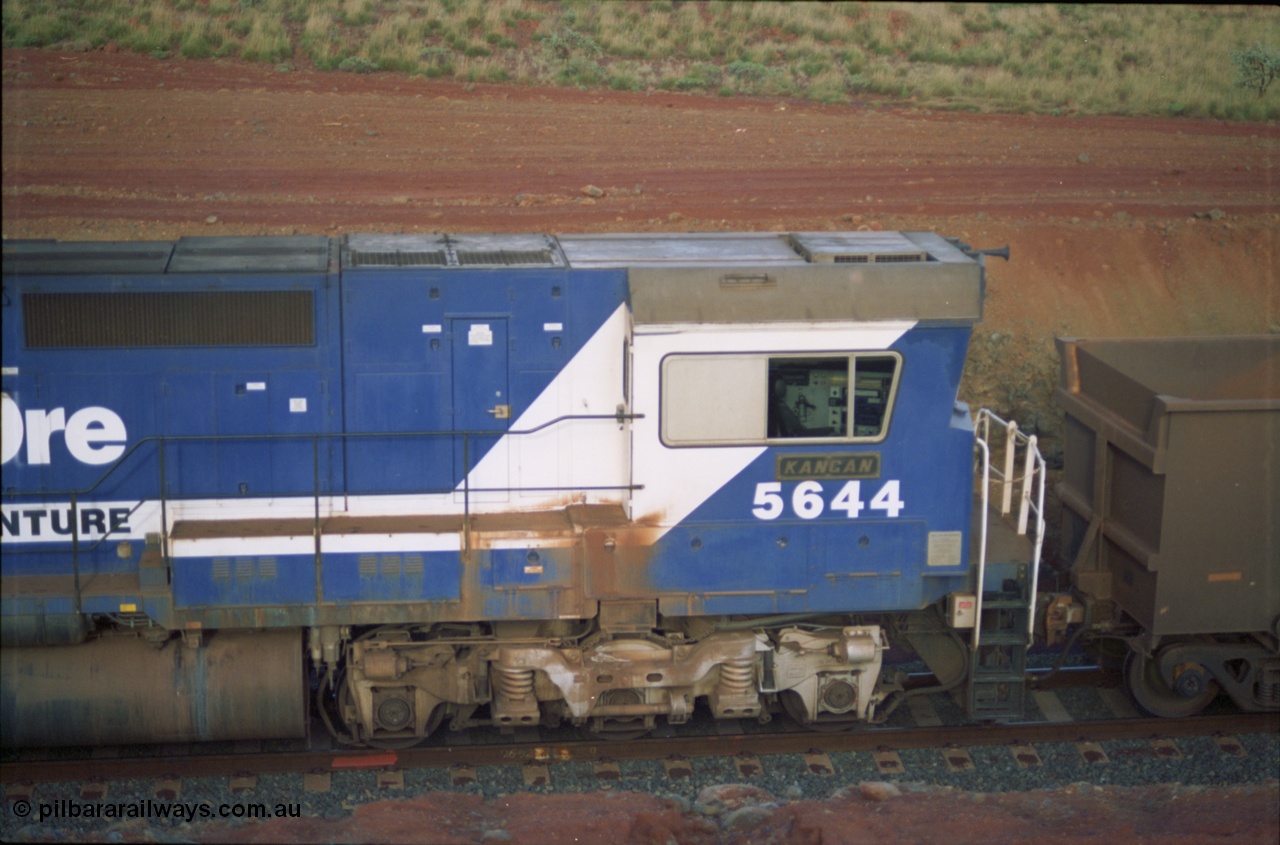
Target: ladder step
999,677
997,636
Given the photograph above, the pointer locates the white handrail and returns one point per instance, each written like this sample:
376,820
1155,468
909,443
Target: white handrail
1031,498
982,545
1010,448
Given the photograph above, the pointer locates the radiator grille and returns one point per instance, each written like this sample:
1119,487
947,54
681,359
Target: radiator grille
188,318
505,257
880,259
396,258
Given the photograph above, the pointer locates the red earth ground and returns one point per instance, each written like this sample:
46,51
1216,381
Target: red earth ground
1118,226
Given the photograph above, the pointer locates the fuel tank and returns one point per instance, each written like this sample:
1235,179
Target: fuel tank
117,690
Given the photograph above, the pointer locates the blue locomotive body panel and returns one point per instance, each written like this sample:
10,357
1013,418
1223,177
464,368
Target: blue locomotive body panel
146,358
406,428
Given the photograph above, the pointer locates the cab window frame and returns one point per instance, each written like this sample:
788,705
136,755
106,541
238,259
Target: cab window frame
748,378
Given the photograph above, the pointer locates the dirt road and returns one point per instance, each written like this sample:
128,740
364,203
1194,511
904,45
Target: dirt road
1158,226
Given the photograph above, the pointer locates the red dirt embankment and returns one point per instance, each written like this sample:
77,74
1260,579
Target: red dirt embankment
1117,225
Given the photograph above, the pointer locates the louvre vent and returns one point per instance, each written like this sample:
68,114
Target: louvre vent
413,564
221,569
505,257
857,248
396,258
429,251
368,565
244,568
880,259
188,318
391,566
266,567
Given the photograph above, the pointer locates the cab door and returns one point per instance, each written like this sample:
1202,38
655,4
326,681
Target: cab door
481,404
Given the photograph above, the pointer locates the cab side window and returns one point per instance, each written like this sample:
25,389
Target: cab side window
757,398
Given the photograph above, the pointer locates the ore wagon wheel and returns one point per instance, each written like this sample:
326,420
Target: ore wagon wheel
1152,694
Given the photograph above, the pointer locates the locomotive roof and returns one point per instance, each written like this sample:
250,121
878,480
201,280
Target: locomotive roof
687,277
310,253
242,254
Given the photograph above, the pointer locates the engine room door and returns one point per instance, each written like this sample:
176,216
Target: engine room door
481,403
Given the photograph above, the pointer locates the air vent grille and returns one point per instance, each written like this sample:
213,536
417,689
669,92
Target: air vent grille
857,248
505,257
391,566
396,258
880,259
187,318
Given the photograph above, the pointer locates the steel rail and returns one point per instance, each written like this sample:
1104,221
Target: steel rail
790,741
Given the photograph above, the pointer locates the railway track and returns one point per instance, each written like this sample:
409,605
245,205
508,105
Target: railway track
537,752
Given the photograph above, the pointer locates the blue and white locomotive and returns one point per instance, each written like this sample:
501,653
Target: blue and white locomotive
496,479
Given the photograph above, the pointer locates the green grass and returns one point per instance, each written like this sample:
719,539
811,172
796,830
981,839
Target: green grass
1055,59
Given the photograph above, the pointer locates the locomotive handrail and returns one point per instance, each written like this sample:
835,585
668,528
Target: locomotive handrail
982,544
161,440
328,435
1030,498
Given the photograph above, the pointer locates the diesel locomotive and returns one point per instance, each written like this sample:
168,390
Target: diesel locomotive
409,481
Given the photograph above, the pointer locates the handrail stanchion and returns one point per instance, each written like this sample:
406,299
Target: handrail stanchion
164,511
1028,471
466,495
1006,488
315,497
1035,555
75,552
982,545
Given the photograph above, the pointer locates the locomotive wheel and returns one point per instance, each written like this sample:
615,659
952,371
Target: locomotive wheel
394,743
794,705
1153,695
619,729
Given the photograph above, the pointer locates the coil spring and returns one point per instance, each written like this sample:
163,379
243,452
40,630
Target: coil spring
513,684
737,676
1269,688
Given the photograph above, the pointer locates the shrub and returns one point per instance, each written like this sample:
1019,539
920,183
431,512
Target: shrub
195,46
580,71
749,72
1256,67
623,82
357,64
567,42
